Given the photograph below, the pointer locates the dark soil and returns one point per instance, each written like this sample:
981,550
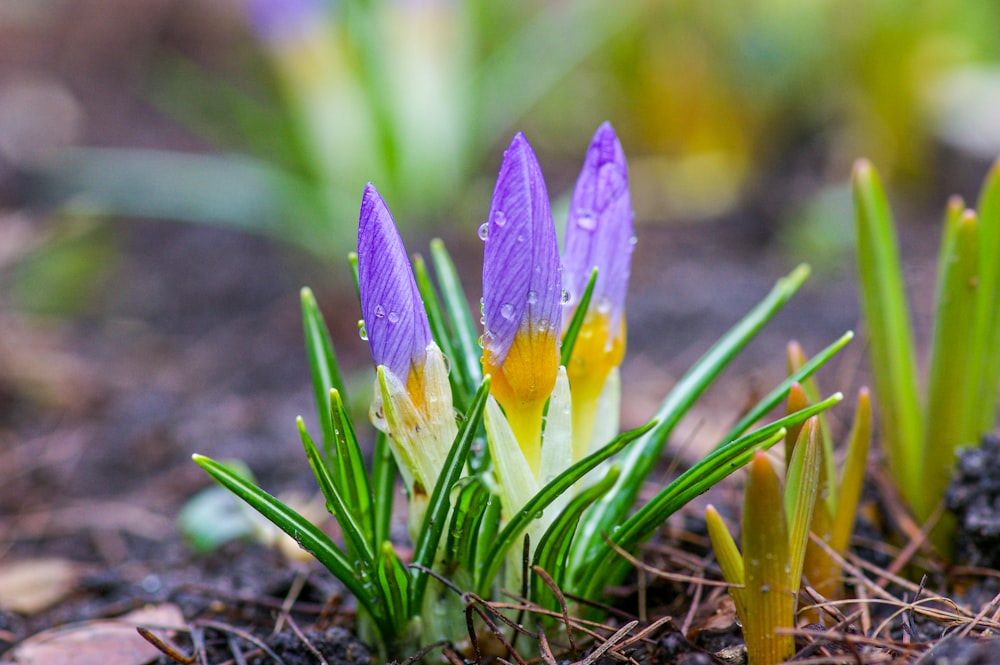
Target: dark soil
974,497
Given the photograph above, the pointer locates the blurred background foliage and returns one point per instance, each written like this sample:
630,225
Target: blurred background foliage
270,115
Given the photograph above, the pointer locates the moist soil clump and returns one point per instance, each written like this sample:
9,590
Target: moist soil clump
974,497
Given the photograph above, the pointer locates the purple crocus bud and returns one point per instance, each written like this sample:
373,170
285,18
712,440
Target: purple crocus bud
521,295
393,312
599,234
281,20
599,230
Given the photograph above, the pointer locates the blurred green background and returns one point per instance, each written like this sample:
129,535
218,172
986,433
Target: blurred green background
271,115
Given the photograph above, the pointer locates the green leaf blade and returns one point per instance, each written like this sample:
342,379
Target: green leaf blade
436,516
883,300
310,538
613,508
323,367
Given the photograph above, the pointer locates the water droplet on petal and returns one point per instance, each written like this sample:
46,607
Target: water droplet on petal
532,297
362,332
379,311
484,231
564,296
507,311
393,317
633,241
499,218
481,341
586,222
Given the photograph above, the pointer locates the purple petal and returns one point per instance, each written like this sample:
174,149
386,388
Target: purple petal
599,228
521,281
394,315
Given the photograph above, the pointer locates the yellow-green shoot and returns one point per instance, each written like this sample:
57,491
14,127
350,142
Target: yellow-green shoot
766,576
920,432
836,507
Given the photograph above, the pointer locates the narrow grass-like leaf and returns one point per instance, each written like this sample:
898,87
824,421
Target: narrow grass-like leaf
552,550
351,474
802,482
520,520
615,505
987,340
307,535
853,475
470,503
773,398
352,262
457,306
358,542
436,517
729,558
383,486
393,582
828,489
886,312
797,400
950,364
573,330
442,335
767,592
606,567
323,366
601,566
488,530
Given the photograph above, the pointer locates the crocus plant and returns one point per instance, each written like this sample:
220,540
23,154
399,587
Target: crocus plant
833,517
541,387
767,574
958,406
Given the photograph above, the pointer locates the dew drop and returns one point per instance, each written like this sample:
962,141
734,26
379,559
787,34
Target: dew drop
362,331
393,317
604,306
633,241
484,231
564,296
532,297
586,222
379,311
507,311
499,218
481,341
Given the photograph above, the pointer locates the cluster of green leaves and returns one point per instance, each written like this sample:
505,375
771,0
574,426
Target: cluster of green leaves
838,495
958,405
465,537
781,529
